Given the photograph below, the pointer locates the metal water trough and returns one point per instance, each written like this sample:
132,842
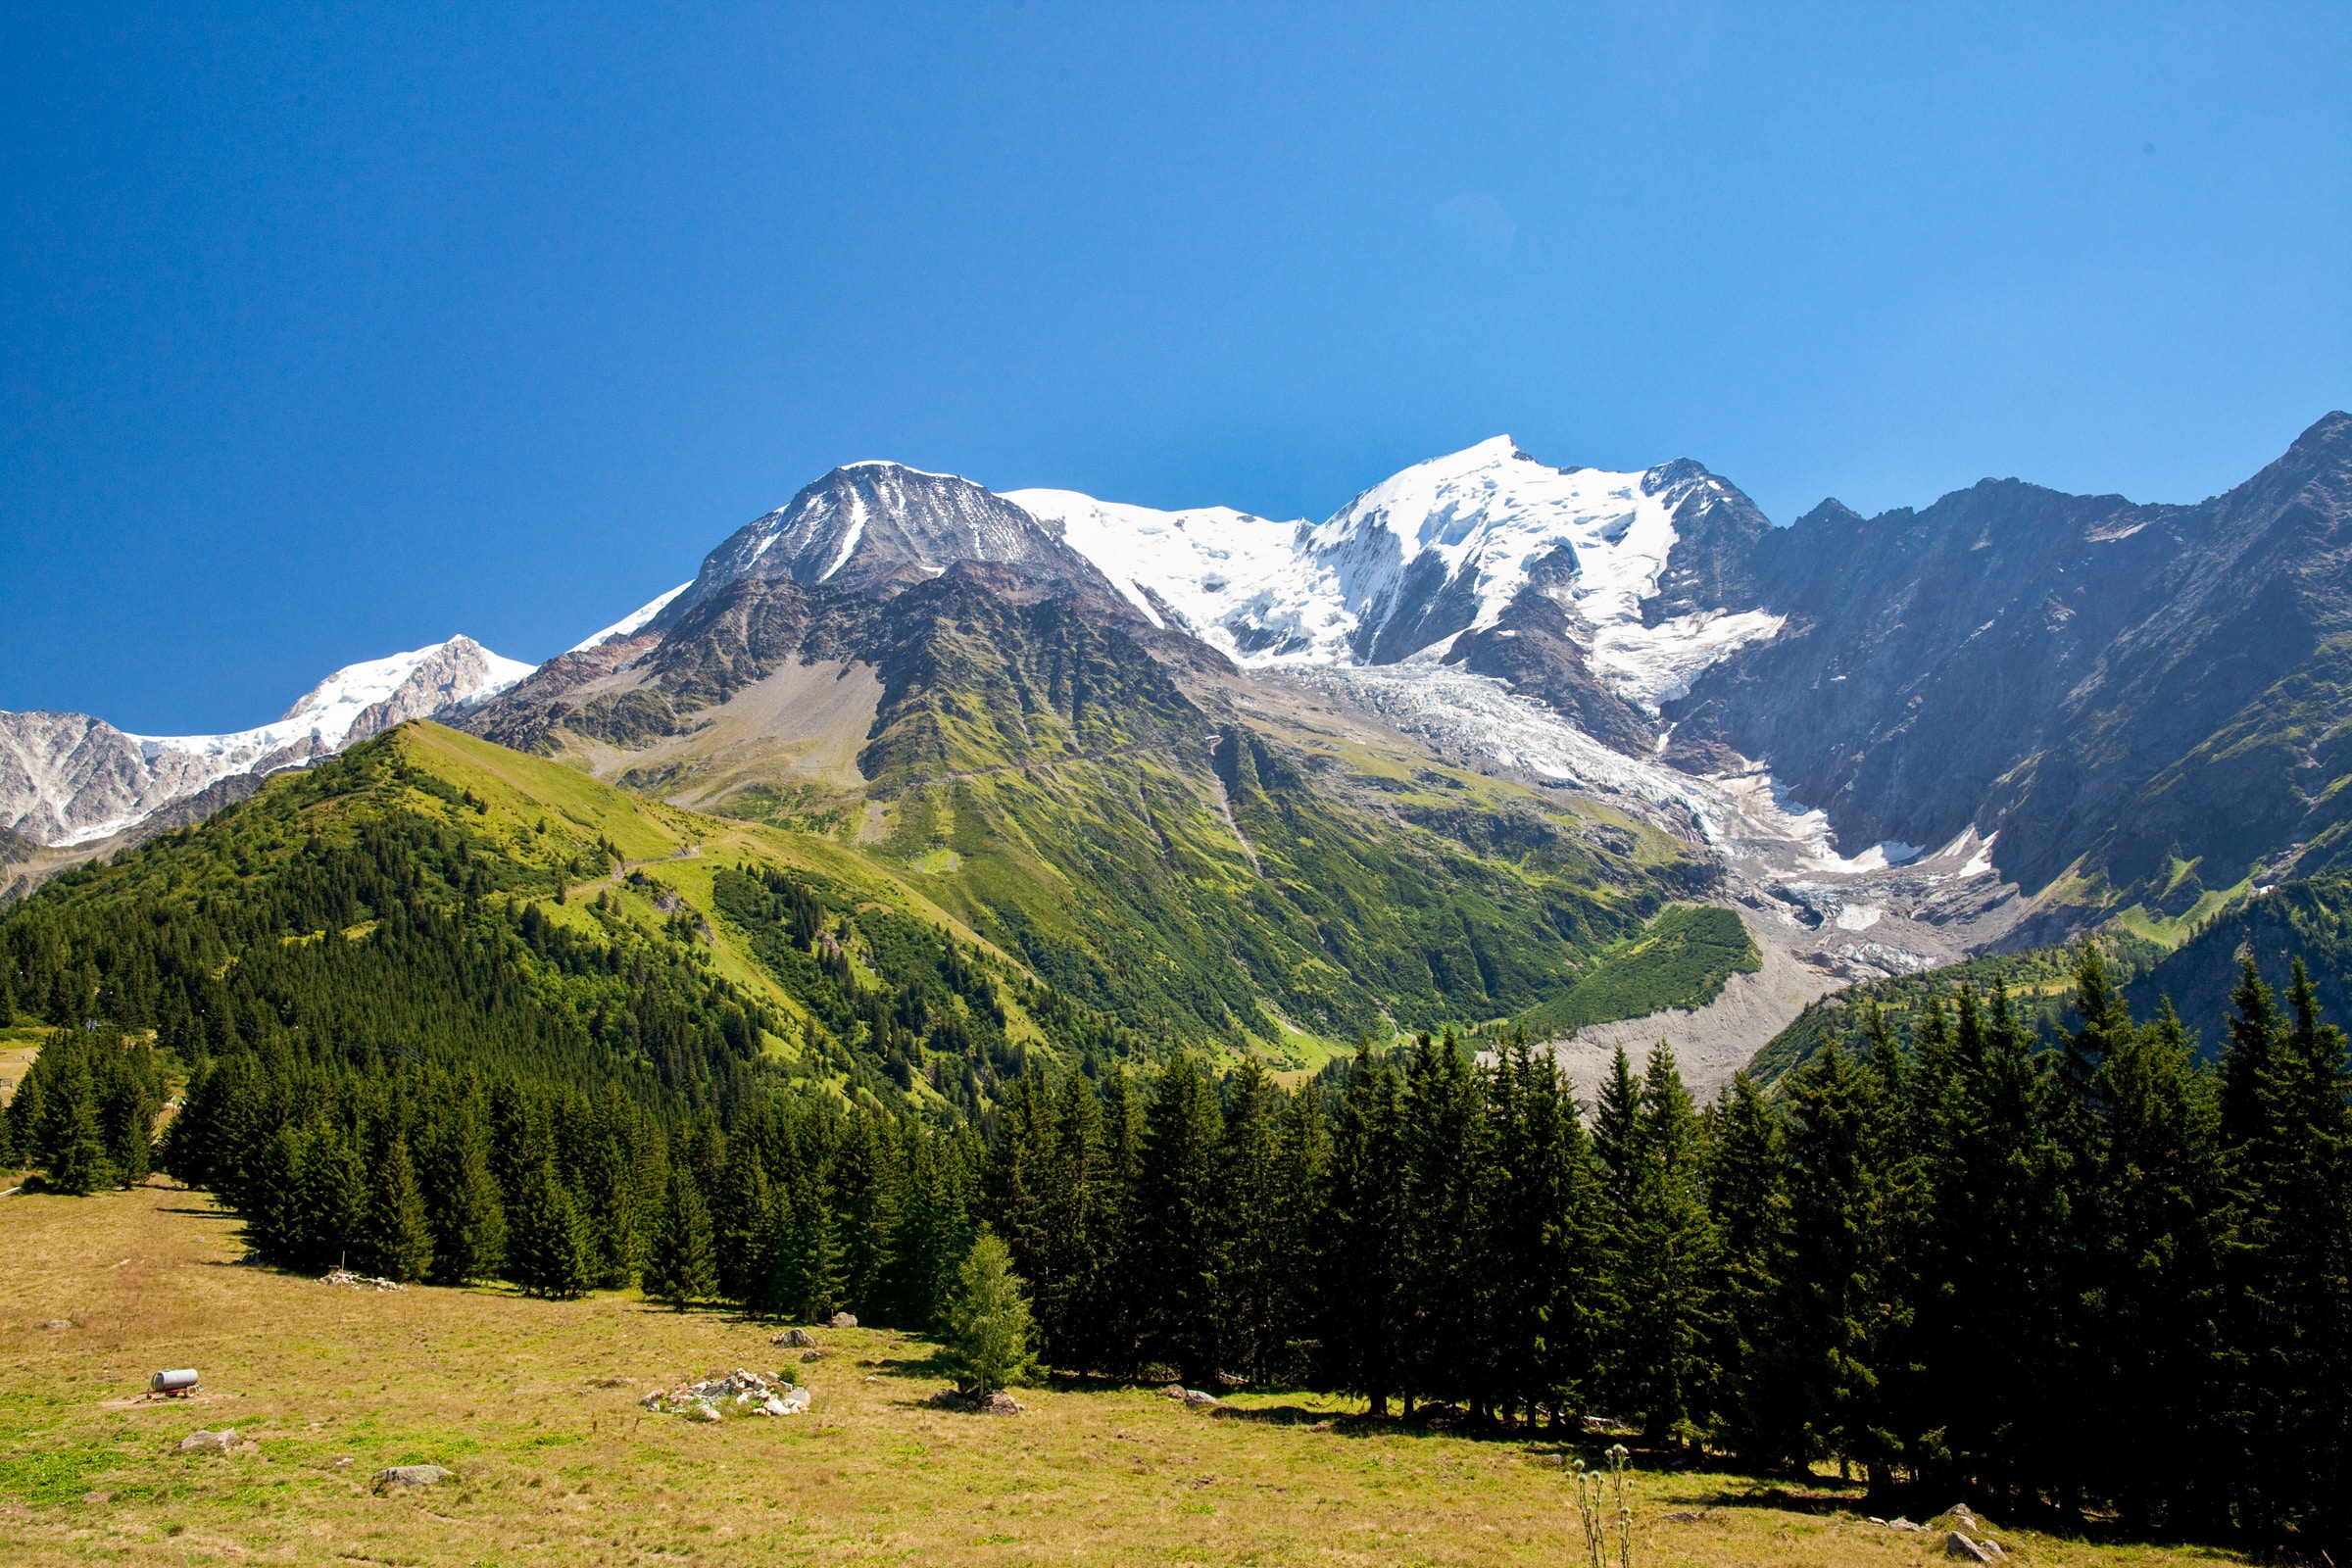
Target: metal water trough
180,1382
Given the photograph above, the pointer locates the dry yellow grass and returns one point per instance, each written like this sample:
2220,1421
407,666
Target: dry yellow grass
533,1405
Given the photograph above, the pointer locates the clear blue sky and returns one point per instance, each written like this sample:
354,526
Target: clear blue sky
333,330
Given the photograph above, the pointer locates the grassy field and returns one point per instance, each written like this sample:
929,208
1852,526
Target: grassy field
534,1406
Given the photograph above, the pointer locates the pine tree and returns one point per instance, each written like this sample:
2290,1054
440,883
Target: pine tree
681,1268
988,1323
1748,1201
462,1199
1831,1313
1667,1265
400,1241
1182,1257
1444,1164
612,1214
551,1252
1364,1242
69,1144
2156,1378
332,1195
1249,1221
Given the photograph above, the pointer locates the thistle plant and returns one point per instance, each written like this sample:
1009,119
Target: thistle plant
1597,1498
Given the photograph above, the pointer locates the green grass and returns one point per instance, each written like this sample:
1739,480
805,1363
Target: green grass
1681,960
534,1406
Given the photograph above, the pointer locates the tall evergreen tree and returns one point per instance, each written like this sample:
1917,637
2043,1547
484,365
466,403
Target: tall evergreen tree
69,1144
1666,1265
1364,1242
2155,1364
552,1252
1748,1201
398,1242
1181,1255
1249,1224
462,1199
680,1268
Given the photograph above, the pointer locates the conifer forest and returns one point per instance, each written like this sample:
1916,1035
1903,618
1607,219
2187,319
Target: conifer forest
2071,1268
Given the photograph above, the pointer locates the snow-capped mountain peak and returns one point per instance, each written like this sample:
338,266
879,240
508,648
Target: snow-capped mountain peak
1445,547
632,623
67,778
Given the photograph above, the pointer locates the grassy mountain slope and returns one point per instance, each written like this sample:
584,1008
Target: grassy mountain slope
2041,983
431,894
1202,876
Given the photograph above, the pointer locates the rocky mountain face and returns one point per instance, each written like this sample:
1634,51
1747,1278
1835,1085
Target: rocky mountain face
1901,727
2146,704
881,527
68,779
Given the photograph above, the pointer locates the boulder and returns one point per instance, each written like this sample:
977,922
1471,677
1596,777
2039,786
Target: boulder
703,1412
412,1475
812,1356
210,1442
843,1320
1956,1545
1001,1403
1199,1397
1174,1391
797,1339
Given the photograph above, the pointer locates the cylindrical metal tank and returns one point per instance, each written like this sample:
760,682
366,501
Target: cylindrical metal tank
172,1382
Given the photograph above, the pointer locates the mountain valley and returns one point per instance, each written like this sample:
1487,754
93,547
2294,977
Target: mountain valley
1237,780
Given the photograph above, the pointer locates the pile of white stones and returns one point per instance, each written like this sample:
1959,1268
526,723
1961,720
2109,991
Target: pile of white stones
744,1392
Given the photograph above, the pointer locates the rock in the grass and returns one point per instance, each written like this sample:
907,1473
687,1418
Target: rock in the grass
1199,1397
797,1339
1174,1391
1898,1522
1956,1545
210,1442
1001,1403
59,1323
843,1320
812,1356
703,1412
412,1475
772,1406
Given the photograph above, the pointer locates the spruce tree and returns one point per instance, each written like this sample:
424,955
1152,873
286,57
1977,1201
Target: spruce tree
1442,1174
681,1268
1667,1266
551,1252
1364,1244
1116,1226
612,1214
69,1142
1748,1200
988,1322
1181,1254
1248,1169
2156,1368
400,1241
332,1191
1823,1396
462,1199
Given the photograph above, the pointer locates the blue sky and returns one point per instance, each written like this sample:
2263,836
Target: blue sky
334,331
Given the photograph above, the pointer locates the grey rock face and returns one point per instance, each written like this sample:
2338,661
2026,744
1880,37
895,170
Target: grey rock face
877,527
69,778
2130,686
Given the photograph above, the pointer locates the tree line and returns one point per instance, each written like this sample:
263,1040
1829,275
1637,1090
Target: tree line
2071,1276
